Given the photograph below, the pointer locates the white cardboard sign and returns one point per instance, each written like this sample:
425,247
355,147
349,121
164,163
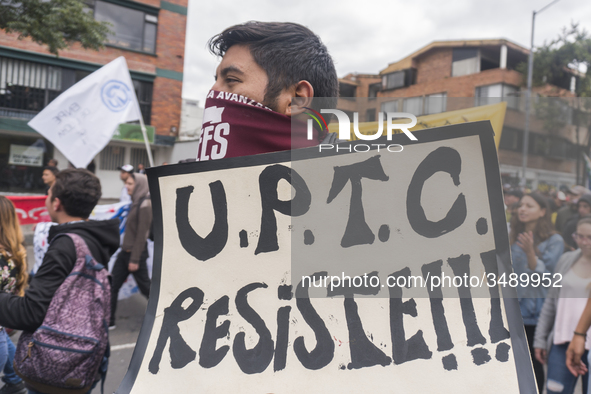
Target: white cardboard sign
235,238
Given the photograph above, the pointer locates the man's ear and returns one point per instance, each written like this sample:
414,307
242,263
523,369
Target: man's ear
57,205
303,94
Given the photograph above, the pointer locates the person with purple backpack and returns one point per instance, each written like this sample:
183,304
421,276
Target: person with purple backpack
79,249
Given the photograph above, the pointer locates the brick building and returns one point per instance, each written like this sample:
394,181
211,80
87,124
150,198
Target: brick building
451,75
358,92
150,34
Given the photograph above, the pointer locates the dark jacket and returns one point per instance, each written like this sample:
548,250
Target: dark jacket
139,220
27,313
563,214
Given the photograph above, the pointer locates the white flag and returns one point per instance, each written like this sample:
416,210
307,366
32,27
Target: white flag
81,121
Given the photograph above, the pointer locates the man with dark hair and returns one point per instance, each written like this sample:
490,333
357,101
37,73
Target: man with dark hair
77,192
293,60
69,203
48,176
264,66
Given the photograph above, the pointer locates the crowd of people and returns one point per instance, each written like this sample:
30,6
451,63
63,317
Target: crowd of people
550,234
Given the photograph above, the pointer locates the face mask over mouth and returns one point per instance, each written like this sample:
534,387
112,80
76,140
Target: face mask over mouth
234,125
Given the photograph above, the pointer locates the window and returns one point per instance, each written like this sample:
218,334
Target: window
399,79
132,29
413,105
511,139
465,61
490,94
435,103
143,91
558,147
28,87
373,90
539,144
140,156
390,106
112,158
393,80
562,148
493,94
511,96
370,115
347,92
20,175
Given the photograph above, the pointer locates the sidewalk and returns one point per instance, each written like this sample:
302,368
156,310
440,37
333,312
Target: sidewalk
28,233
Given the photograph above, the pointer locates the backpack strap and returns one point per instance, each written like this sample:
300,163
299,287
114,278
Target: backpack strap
75,239
105,365
82,251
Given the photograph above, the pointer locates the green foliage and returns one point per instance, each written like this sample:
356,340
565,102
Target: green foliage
553,113
54,23
552,61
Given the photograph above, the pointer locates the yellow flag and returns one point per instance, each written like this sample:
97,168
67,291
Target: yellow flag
494,112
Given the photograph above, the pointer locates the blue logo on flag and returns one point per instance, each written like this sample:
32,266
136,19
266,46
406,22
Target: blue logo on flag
116,95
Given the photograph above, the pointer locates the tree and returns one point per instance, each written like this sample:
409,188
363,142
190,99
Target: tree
555,63
54,23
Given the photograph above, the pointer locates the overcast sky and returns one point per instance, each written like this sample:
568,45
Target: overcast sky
364,36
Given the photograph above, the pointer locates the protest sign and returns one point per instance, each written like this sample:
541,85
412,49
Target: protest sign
230,311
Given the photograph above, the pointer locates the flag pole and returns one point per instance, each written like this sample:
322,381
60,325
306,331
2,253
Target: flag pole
145,134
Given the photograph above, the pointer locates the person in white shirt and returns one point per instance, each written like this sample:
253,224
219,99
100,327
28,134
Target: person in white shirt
561,312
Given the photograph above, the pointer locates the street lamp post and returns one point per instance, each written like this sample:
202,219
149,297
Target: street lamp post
530,71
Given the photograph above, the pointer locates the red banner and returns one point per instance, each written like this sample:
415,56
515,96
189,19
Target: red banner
30,209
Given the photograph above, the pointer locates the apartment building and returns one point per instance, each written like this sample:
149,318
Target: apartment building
150,34
452,75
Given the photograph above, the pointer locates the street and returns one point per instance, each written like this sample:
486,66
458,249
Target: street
130,314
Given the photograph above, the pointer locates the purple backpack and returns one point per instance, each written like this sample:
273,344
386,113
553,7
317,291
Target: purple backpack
65,353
